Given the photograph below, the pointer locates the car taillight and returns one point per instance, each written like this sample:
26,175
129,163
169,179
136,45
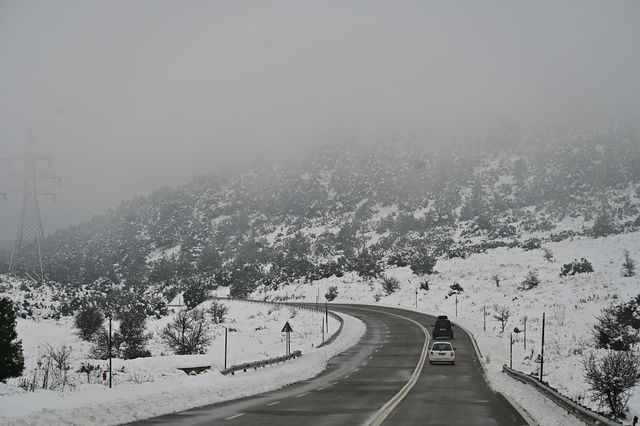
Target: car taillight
431,353
452,353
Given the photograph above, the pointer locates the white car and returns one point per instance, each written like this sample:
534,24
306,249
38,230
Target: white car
442,352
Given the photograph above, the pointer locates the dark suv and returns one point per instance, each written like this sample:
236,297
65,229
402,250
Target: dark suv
442,328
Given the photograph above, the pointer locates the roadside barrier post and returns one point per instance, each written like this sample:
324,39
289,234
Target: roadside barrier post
525,333
326,316
226,332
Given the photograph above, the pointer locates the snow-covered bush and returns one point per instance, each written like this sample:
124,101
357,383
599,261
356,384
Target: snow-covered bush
576,267
331,294
424,285
618,326
390,284
611,377
455,288
530,281
368,264
421,263
532,244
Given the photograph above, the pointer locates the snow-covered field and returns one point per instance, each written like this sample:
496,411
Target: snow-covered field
152,386
571,304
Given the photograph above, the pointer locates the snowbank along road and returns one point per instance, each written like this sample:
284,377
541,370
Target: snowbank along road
384,379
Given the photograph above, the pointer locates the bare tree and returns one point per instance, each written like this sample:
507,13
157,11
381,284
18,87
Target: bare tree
611,378
501,314
560,313
55,363
188,333
629,265
496,278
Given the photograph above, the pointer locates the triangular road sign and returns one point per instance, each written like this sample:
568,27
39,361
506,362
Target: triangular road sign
287,328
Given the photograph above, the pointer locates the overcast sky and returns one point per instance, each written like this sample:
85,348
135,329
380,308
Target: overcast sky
130,96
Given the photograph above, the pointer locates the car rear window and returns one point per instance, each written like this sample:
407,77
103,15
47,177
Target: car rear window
443,324
441,347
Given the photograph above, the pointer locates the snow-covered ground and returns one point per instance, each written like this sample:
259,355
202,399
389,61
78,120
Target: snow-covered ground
570,303
146,387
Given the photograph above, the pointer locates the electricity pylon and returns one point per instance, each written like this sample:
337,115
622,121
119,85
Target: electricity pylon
26,256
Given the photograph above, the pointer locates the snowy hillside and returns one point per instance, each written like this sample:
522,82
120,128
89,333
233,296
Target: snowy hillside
307,218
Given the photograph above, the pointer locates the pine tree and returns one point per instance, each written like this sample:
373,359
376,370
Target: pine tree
133,335
11,357
603,224
88,321
629,265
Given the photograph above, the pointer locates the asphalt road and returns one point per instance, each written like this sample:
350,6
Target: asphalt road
384,379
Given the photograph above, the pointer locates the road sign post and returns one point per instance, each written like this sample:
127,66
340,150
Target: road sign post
226,332
287,329
542,348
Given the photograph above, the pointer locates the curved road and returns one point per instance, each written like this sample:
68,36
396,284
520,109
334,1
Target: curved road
384,379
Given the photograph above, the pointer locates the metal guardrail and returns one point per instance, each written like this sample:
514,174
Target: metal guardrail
312,307
269,361
259,364
581,412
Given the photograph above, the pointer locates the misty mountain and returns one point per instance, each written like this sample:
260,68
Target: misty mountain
353,208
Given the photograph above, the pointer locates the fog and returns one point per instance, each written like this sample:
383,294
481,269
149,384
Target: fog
127,97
